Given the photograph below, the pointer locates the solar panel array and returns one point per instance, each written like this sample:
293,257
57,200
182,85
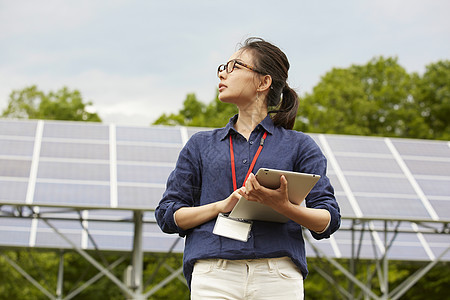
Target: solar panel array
101,173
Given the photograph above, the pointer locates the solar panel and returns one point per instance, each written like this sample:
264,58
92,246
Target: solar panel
13,191
17,129
405,207
73,149
16,147
76,131
72,194
105,172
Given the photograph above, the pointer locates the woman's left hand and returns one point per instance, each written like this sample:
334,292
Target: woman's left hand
315,219
277,199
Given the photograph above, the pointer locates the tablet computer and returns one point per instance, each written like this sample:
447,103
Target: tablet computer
299,186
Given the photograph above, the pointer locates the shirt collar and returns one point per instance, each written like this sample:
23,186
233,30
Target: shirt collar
266,124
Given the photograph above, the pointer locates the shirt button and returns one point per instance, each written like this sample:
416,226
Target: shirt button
251,142
244,161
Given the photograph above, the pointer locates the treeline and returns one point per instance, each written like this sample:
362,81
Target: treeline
43,266
379,98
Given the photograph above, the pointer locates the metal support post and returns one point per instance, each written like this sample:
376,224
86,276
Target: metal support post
344,271
97,265
351,287
59,284
385,285
138,257
93,279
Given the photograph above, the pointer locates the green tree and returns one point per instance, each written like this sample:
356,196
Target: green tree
195,113
372,99
38,264
43,266
379,98
432,95
188,115
64,104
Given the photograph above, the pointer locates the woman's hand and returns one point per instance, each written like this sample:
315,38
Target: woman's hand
277,199
190,217
227,205
311,218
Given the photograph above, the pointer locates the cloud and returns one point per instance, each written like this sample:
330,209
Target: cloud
426,16
35,17
138,59
117,98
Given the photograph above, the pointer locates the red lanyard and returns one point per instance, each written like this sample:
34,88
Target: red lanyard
233,168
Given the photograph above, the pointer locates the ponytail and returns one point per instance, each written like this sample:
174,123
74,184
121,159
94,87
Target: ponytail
286,112
282,101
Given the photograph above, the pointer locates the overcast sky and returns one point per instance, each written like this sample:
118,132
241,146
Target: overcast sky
138,59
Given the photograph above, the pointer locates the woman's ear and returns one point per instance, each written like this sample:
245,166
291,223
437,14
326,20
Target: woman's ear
265,83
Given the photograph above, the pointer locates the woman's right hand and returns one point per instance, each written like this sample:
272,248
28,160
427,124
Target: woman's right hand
227,205
189,217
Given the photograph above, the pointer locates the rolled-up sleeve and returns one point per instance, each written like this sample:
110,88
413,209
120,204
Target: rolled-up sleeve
182,189
322,195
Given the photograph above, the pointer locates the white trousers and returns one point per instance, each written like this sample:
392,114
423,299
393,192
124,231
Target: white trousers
272,278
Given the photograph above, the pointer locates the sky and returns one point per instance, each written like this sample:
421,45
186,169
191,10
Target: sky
135,60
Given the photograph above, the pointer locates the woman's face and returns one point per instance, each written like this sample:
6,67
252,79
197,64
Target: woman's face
239,86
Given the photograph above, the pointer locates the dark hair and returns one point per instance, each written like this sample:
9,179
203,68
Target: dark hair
281,99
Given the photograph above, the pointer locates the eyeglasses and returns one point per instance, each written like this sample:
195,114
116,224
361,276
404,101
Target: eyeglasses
229,67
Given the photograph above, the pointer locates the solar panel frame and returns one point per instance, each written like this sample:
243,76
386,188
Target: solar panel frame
107,171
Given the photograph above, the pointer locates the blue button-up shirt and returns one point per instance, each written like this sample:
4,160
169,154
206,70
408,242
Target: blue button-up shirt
203,175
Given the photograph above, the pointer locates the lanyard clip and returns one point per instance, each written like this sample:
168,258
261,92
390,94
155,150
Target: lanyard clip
261,143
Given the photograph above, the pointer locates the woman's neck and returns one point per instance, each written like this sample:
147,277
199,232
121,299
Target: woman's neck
248,119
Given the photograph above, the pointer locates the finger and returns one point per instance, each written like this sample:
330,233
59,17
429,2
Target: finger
241,191
255,181
283,183
252,184
249,184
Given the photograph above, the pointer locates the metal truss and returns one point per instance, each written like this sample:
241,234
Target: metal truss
364,226
133,285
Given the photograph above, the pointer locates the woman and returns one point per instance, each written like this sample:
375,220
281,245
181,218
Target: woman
271,264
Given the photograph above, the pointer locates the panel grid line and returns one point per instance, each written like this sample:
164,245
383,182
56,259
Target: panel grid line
148,144
75,141
184,135
12,178
75,160
84,233
346,187
35,162
113,166
389,156
33,228
73,181
412,180
337,169
16,138
15,157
